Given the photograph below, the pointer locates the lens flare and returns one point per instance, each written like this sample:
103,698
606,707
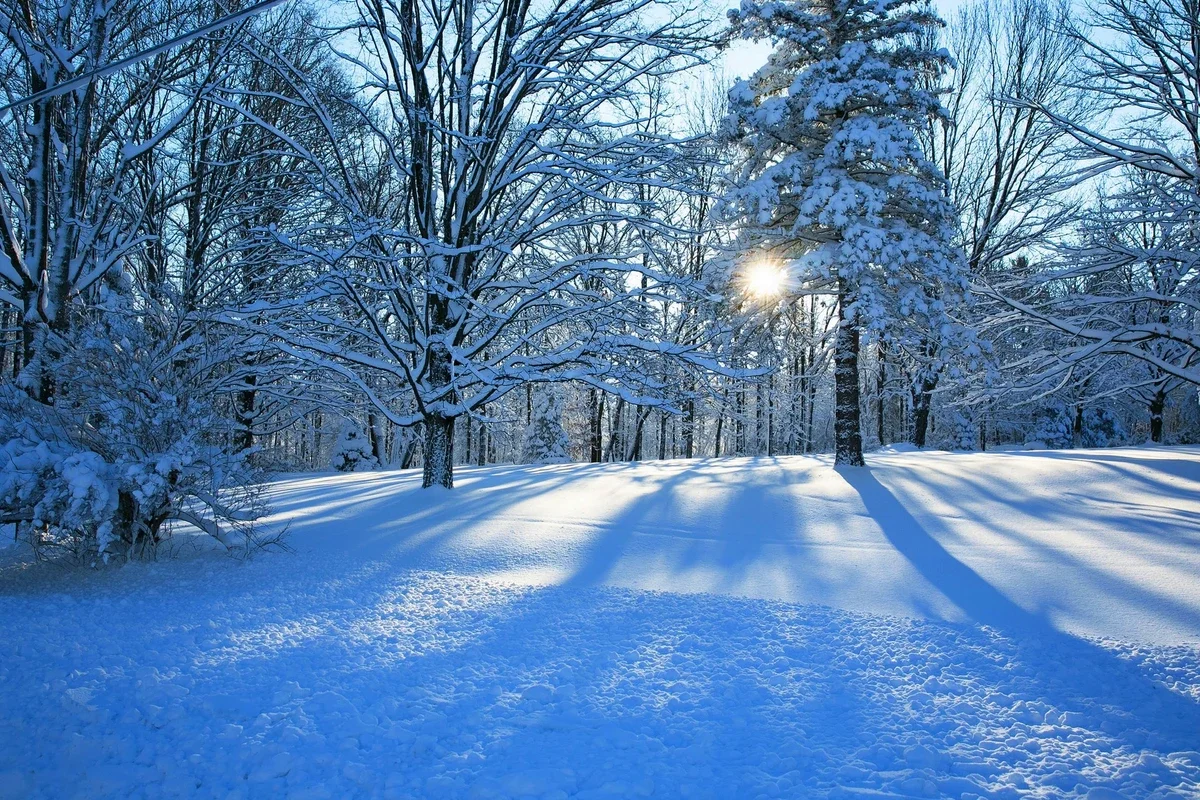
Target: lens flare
764,281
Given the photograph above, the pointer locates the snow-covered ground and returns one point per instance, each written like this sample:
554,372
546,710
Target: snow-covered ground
991,625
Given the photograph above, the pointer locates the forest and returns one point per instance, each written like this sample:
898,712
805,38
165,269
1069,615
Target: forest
389,234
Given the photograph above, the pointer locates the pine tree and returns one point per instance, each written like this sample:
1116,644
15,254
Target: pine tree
545,440
832,183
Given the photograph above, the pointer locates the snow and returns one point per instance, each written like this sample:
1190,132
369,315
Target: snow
955,625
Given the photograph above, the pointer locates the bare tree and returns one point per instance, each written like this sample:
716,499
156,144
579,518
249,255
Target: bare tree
492,128
1142,67
1004,162
69,214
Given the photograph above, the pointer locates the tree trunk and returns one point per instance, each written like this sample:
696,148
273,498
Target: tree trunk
847,411
614,431
662,436
467,443
410,450
739,423
810,383
318,423
484,436
880,387
760,412
1077,427
439,451
1157,404
439,428
770,415
689,428
596,423
243,437
921,405
635,449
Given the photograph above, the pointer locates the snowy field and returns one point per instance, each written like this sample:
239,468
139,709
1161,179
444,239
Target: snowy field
979,625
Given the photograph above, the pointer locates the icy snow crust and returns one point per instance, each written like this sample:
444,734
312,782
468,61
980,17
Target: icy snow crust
946,625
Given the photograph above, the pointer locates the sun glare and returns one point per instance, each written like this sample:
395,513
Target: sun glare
764,281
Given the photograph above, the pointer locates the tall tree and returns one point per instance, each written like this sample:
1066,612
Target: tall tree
495,126
833,185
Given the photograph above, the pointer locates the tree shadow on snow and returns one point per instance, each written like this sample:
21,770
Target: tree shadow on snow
1076,671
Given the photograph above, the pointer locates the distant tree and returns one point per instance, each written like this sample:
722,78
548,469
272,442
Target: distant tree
1006,169
545,440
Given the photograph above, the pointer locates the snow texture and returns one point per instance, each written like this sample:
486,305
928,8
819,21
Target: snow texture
945,625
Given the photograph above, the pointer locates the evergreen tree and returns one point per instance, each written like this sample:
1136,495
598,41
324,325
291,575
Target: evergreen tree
832,183
545,440
352,452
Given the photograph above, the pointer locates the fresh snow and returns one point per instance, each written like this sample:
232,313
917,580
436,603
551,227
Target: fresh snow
957,625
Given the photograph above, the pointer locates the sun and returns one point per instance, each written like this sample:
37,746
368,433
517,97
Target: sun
764,281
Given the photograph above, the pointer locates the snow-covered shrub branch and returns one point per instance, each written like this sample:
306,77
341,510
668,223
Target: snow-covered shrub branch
133,446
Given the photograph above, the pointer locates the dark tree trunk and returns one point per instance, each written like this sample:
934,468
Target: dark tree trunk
1077,427
409,452
635,449
794,407
318,423
739,423
33,337
689,428
922,396
243,437
760,412
439,451
467,443
595,426
810,383
614,431
484,437
439,429
770,415
847,418
921,404
662,436
1157,403
880,388
378,438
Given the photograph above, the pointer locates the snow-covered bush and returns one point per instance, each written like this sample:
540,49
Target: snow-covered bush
352,451
545,439
1051,426
131,441
1101,428
963,434
1054,427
